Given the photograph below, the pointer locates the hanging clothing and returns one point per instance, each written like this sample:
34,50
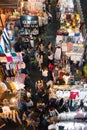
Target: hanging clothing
1,49
58,53
2,45
6,40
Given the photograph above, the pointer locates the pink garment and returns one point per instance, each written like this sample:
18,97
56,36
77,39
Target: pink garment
20,77
9,59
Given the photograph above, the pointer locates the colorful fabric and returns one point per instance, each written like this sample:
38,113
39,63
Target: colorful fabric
20,77
1,49
74,95
13,54
6,40
9,57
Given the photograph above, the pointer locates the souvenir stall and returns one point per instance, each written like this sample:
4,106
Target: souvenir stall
66,5
9,111
10,92
72,120
73,116
11,78
6,9
12,72
78,94
71,126
76,116
11,87
70,47
69,36
33,5
36,8
10,64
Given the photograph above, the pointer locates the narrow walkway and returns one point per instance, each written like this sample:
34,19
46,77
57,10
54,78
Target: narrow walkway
49,35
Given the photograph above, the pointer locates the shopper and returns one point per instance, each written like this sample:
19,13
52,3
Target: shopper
58,54
55,74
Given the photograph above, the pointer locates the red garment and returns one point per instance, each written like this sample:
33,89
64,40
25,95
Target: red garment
9,57
73,95
59,33
61,74
51,67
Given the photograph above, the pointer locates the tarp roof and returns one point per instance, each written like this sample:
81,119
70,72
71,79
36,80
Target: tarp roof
9,3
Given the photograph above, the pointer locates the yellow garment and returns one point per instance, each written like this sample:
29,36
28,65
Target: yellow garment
77,16
14,71
12,85
1,90
73,24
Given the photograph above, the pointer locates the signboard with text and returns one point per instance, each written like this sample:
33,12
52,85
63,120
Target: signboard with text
29,24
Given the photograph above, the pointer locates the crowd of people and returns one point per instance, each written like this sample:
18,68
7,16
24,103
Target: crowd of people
37,106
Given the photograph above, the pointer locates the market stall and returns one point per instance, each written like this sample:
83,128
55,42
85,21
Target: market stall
6,7
36,8
69,36
33,5
70,125
68,91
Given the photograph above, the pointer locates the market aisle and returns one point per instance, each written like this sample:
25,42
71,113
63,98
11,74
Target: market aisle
49,35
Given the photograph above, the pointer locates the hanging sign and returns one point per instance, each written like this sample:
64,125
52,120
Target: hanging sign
29,24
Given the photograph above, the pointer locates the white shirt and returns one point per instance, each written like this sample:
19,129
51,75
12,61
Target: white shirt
57,54
50,57
45,73
52,126
6,109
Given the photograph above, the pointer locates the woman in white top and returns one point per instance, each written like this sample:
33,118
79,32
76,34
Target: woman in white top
45,74
58,54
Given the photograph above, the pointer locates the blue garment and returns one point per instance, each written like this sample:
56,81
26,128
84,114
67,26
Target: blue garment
52,100
12,38
1,50
77,34
19,105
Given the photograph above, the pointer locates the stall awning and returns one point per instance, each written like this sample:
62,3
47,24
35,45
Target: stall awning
9,3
